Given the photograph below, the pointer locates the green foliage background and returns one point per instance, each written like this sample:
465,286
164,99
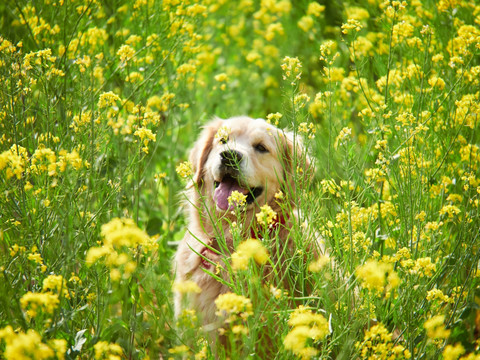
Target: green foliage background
100,101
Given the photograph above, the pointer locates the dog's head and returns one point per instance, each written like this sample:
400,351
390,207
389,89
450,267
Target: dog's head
249,156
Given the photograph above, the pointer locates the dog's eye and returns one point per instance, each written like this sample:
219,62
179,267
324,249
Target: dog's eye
260,148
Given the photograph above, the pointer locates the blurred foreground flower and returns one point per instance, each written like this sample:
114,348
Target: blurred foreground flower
306,326
233,305
249,249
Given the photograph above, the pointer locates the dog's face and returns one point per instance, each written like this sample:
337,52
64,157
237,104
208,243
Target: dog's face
241,154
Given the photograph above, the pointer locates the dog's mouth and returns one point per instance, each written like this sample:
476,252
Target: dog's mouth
225,187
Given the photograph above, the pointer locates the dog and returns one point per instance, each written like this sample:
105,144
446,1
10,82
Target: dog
263,163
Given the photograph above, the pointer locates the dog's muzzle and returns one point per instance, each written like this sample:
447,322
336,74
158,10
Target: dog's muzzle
231,180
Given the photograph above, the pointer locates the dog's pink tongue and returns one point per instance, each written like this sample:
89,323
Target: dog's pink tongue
223,192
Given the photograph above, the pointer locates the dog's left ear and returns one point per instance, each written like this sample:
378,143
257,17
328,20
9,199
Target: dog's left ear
298,166
201,149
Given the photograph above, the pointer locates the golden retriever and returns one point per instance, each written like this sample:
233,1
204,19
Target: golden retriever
256,159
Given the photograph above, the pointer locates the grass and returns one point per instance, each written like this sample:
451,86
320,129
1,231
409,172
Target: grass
99,103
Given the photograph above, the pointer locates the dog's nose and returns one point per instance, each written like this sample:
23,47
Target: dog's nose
231,158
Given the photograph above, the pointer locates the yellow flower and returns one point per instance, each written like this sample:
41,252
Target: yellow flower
344,135
238,199
240,330
274,118
125,53
435,327
185,169
305,325
424,267
373,276
107,99
146,135
27,345
36,257
377,344
134,77
435,294
221,77
315,9
291,69
450,210
436,82
319,264
187,68
351,24
233,305
305,23
187,286
33,302
251,248
453,352
55,283
180,349
266,216
124,232
223,134
105,350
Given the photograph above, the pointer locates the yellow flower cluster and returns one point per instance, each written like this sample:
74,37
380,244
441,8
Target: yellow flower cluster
185,169
29,345
223,134
249,249
47,301
378,277
342,138
233,306
14,161
105,350
121,237
307,326
378,344
437,294
125,53
107,99
266,216
146,135
55,284
435,327
292,69
35,303
421,266
274,118
237,199
351,24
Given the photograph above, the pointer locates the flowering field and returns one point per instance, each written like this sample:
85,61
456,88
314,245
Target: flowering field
99,104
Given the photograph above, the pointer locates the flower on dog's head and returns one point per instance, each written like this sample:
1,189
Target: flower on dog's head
237,199
185,169
251,248
223,133
266,216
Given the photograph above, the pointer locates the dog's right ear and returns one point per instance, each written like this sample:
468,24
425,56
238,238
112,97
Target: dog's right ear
201,149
